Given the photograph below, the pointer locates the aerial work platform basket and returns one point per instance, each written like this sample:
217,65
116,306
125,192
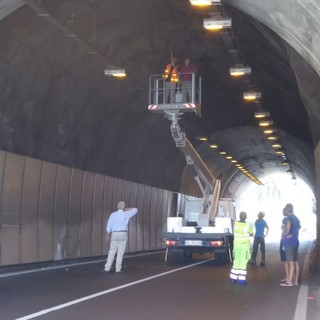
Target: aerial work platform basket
179,97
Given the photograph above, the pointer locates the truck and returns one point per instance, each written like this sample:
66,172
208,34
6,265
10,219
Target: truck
202,225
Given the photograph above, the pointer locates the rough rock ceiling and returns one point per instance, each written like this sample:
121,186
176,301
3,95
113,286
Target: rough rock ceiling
56,104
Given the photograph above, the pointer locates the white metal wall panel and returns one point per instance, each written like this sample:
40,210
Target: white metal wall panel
86,214
132,235
126,192
153,213
46,211
108,207
30,211
74,219
11,209
3,156
97,218
140,217
61,212
146,218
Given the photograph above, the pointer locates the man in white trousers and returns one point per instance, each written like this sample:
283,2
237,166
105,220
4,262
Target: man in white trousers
117,226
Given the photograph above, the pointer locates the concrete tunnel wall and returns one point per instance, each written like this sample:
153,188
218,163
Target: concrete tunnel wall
53,212
298,23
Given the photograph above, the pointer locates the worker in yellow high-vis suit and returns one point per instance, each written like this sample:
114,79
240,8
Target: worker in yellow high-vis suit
241,250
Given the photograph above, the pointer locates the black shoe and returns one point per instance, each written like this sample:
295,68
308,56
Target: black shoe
262,264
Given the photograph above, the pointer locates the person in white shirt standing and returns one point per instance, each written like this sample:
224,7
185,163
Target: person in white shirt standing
117,226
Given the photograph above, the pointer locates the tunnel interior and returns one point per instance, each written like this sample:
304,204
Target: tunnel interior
57,104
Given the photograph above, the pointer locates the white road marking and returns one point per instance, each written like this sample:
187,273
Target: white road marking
98,294
302,302
63,266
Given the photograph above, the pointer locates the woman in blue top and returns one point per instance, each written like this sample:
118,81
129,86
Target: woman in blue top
262,230
291,245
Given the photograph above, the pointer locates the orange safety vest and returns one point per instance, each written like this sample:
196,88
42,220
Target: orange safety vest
171,73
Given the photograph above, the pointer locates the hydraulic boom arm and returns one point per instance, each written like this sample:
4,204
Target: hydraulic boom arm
208,184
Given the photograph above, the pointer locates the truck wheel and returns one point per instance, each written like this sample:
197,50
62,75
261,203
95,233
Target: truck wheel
221,258
188,255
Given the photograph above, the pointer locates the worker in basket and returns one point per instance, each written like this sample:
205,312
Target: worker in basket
170,76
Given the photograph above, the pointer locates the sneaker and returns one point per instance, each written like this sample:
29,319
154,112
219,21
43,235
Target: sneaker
286,284
252,263
296,283
106,270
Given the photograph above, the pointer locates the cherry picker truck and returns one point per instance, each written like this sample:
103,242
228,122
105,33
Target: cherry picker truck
206,225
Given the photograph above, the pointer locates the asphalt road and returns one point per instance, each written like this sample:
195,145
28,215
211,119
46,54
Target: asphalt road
150,289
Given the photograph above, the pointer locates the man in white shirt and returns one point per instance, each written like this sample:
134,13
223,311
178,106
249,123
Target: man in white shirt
117,226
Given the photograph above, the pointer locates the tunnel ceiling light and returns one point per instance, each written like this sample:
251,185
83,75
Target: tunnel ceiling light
272,137
279,151
228,157
115,72
238,71
261,114
216,23
269,130
204,3
234,161
276,145
222,152
284,163
265,123
202,138
251,95
214,146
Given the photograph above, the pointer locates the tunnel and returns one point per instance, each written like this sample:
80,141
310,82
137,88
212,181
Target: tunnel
73,139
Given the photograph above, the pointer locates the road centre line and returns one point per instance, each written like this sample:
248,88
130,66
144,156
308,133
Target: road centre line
98,294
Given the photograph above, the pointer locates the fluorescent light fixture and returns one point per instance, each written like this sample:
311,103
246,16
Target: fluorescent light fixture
276,145
273,138
204,3
284,163
213,146
269,131
222,152
115,72
260,115
251,95
265,123
234,161
228,157
239,71
202,138
279,151
217,23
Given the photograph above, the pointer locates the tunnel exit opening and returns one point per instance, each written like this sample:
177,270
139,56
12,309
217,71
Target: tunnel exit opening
278,189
